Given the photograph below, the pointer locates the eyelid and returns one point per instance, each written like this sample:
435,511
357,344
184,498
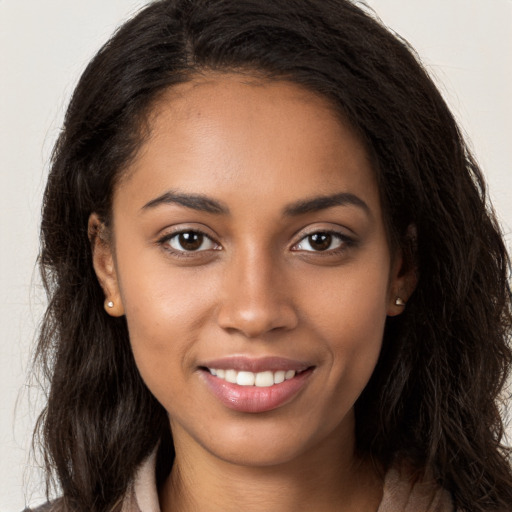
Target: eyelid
346,240
175,232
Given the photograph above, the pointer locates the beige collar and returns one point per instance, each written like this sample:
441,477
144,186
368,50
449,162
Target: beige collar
401,492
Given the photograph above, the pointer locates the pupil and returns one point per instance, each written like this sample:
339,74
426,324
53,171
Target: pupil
320,241
191,241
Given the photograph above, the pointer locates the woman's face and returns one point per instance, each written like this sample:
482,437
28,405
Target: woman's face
249,242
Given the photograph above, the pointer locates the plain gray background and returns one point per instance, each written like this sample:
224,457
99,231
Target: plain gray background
45,44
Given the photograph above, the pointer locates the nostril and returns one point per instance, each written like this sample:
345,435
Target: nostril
255,320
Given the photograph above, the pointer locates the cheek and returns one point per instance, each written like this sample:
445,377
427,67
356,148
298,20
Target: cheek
349,316
351,302
354,345
165,312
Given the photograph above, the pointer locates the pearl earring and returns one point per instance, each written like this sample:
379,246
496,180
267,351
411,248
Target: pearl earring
399,302
110,304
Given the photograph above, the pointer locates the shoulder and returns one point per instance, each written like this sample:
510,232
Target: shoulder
407,491
52,506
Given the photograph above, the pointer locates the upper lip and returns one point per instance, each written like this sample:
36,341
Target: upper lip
255,365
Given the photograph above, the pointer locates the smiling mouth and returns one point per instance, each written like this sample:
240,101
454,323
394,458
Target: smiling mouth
254,392
263,379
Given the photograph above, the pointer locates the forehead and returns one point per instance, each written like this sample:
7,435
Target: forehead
229,134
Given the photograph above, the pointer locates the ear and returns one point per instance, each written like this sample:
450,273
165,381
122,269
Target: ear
404,274
104,266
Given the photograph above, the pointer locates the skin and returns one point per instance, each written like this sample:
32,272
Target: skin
257,287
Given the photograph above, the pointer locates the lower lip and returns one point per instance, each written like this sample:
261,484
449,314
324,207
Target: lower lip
255,399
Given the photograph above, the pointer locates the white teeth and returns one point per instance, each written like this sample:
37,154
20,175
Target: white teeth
289,374
230,376
262,379
279,377
245,379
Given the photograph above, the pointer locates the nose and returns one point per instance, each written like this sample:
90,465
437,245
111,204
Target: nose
255,298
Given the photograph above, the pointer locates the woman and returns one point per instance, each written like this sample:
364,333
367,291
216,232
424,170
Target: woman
274,283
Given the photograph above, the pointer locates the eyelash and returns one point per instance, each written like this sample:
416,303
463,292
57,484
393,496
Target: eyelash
344,240
345,243
166,239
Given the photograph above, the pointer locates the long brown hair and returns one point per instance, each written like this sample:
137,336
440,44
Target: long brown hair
433,397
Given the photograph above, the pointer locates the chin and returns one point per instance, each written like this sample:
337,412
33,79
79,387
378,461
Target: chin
266,440
252,454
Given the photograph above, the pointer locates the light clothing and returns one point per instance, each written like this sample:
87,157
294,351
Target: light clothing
401,492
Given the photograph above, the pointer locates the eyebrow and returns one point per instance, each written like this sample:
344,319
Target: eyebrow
323,202
194,201
206,204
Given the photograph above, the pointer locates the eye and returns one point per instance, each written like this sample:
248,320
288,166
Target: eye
190,241
321,241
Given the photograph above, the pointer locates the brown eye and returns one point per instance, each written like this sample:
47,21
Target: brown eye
322,241
191,241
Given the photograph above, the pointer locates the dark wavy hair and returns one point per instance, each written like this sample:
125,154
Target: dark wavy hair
434,396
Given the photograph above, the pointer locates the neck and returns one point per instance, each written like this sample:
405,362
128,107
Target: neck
325,478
